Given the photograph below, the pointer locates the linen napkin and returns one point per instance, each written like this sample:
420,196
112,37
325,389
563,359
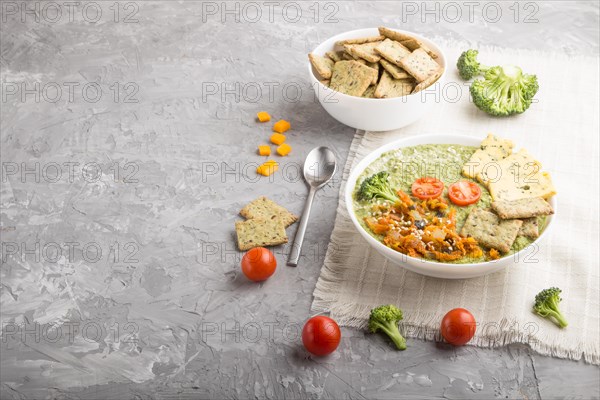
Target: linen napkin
562,131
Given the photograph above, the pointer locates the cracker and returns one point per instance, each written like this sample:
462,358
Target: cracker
373,65
335,56
323,65
408,41
419,64
413,44
392,51
485,227
360,40
394,70
491,150
390,87
266,208
351,77
370,92
530,228
523,208
429,81
347,56
258,232
365,51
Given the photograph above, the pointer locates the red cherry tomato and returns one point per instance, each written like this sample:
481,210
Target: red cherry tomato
463,193
458,326
427,188
321,335
258,264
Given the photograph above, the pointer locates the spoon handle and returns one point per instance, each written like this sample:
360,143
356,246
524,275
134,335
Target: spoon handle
297,245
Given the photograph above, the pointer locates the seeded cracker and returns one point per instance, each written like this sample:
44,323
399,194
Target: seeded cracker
523,208
485,227
429,81
370,92
419,64
394,70
258,232
408,41
361,40
266,208
390,87
365,51
323,65
530,228
351,78
335,55
392,51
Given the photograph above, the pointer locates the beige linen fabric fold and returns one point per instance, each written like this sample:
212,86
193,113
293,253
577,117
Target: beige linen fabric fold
562,131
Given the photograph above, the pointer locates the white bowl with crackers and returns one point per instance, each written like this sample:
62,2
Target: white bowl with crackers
501,228
377,79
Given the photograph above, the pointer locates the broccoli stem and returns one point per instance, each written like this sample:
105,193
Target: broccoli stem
392,331
561,321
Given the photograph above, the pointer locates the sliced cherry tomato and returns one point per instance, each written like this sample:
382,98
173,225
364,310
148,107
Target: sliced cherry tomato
258,264
427,188
458,326
321,335
463,193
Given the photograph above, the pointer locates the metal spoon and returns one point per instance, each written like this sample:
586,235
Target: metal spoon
319,168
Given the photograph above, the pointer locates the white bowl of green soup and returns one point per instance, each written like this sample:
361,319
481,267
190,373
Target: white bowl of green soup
451,206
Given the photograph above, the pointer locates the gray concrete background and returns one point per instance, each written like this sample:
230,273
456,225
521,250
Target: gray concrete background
152,291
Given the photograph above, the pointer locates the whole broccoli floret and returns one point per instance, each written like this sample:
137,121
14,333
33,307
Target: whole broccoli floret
377,186
504,91
468,66
546,305
385,319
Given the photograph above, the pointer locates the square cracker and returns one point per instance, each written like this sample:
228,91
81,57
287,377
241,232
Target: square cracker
366,51
266,208
523,208
390,87
485,227
335,56
323,65
491,150
258,232
394,70
408,41
370,92
429,81
419,64
347,56
392,51
361,40
373,65
530,228
351,77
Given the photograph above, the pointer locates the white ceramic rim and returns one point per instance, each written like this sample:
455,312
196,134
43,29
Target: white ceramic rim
427,267
373,31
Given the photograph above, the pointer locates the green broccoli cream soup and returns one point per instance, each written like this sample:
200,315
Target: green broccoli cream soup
441,161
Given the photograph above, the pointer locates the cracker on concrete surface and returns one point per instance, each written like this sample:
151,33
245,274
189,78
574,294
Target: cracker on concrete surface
259,232
263,207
